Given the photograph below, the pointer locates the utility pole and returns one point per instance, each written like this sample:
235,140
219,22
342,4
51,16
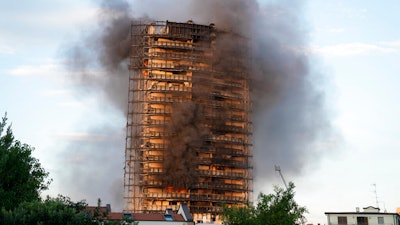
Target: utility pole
278,169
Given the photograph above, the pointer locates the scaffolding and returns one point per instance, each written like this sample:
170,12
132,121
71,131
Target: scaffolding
188,136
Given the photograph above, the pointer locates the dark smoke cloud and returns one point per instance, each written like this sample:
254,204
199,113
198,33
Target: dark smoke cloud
99,61
187,122
290,117
289,114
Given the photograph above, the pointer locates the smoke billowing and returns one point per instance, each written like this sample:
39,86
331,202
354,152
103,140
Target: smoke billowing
288,109
99,62
180,164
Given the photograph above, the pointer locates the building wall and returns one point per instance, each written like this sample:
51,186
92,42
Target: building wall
388,219
189,120
163,223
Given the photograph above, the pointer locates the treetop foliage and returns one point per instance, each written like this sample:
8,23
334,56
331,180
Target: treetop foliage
22,176
52,211
277,208
22,179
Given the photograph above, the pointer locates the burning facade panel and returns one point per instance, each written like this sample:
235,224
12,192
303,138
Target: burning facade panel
189,119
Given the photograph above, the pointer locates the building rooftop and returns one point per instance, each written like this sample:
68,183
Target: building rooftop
157,217
367,210
104,212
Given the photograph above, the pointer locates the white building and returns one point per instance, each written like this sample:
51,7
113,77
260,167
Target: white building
369,216
182,217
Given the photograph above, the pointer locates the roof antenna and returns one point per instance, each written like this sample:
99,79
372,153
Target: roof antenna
278,169
376,196
384,207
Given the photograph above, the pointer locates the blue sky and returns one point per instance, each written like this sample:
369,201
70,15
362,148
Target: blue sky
354,45
358,45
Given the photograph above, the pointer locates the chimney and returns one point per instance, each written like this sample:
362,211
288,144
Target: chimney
108,208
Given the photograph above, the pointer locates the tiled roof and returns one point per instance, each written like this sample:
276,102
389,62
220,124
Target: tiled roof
155,217
104,214
114,216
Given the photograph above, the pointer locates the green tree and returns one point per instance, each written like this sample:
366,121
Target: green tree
22,176
280,208
277,208
53,211
239,215
60,210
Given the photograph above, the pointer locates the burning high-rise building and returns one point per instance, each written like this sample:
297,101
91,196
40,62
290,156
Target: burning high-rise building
189,119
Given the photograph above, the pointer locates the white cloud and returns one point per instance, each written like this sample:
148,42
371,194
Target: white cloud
72,104
393,44
66,18
330,30
352,13
51,69
57,17
335,30
354,48
35,70
55,92
6,50
46,70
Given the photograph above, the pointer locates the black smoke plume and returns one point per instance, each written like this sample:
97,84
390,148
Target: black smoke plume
99,61
289,114
187,123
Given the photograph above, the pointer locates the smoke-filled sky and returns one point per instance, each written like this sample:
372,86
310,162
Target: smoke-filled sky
324,85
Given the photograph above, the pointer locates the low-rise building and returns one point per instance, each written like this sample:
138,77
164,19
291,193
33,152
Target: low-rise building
369,216
182,217
169,217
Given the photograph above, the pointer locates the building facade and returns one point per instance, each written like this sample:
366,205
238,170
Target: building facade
189,124
369,216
